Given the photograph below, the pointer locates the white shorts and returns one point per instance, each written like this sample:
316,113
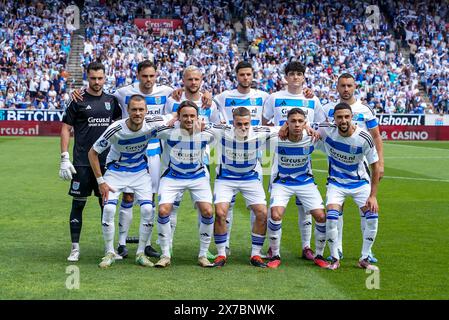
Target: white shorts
258,168
337,195
308,194
170,189
138,183
154,164
252,191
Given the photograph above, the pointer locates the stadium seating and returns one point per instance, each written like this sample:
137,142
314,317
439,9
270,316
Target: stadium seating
400,63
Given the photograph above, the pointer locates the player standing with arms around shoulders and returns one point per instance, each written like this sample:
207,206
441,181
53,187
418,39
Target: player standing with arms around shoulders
293,177
347,146
275,111
127,169
365,117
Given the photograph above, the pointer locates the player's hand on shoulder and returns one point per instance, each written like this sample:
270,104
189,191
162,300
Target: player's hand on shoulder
77,94
313,133
206,100
66,169
283,132
308,93
173,120
177,94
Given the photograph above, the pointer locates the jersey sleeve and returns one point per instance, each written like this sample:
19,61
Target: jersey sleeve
162,132
214,114
268,108
369,149
219,101
171,106
371,120
105,140
320,115
117,112
69,116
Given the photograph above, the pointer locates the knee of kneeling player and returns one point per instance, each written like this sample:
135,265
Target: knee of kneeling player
261,214
164,210
128,197
320,216
275,215
207,212
220,215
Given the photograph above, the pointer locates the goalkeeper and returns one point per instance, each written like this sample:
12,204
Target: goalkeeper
88,119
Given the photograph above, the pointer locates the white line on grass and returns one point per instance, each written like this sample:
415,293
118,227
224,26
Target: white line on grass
410,146
404,178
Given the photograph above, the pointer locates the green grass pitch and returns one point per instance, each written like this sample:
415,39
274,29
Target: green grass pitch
411,244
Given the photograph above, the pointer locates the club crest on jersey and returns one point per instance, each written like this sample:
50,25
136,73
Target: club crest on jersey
103,143
253,101
353,149
107,105
306,150
75,185
158,100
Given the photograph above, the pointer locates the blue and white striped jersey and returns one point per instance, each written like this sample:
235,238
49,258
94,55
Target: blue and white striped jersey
209,115
363,115
183,154
128,148
278,105
229,100
291,161
237,158
346,155
156,101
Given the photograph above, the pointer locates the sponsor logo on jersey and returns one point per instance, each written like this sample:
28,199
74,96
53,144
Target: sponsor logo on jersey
75,185
107,105
95,122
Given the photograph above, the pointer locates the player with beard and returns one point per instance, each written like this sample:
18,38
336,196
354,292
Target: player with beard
88,119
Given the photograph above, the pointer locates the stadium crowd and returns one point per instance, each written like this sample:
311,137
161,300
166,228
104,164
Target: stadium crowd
208,41
329,37
424,27
34,48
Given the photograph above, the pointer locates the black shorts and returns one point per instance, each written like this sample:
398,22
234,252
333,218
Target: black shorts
84,182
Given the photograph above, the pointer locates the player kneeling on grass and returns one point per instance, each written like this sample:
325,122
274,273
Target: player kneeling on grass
126,168
293,177
183,155
346,146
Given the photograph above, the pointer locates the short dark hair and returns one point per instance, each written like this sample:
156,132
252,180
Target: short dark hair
185,104
145,64
295,66
137,98
296,111
342,106
95,66
345,76
241,112
242,65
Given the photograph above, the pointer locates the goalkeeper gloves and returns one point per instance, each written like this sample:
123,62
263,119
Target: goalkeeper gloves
67,169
